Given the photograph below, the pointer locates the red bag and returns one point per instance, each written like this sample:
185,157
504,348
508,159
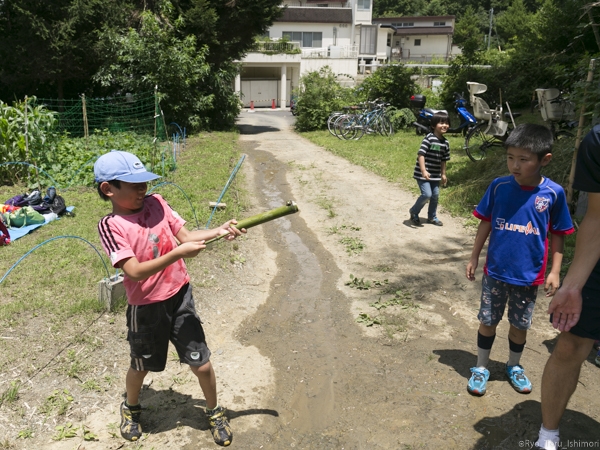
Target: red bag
4,236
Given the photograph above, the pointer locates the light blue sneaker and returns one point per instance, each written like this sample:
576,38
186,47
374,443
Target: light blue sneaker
478,381
518,379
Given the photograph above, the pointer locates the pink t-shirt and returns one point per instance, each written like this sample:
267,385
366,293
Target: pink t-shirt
146,235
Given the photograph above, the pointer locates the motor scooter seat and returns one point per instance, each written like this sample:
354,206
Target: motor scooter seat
433,111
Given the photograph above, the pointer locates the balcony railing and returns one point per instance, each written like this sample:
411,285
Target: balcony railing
276,48
347,51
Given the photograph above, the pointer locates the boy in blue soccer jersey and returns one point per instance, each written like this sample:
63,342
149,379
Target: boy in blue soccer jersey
517,212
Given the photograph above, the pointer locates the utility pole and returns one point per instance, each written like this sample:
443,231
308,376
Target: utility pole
490,32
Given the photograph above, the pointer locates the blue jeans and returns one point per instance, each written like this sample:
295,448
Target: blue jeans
430,192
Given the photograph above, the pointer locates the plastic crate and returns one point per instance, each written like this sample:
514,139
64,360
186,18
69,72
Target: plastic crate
418,101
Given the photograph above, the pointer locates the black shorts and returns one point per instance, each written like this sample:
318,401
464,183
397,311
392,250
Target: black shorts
589,321
151,327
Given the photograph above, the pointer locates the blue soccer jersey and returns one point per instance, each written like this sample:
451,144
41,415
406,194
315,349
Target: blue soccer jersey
521,217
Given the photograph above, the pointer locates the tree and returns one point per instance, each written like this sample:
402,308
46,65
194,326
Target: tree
47,47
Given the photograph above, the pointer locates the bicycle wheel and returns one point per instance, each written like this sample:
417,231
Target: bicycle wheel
331,121
385,126
337,131
351,127
477,143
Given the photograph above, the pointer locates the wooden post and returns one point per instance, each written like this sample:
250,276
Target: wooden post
590,77
86,131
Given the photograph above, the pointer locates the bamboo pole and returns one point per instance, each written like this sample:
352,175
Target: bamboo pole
289,208
590,77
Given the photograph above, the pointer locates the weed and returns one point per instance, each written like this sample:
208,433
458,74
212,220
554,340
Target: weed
353,245
367,320
327,205
361,284
76,366
11,394
237,259
401,298
91,385
58,401
383,268
88,435
25,434
64,432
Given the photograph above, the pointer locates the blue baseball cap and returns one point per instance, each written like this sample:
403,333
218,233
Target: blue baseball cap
122,166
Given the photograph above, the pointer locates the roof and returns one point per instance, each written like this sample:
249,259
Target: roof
316,15
412,18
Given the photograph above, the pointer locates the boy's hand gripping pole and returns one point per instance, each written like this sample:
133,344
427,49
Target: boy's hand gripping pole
289,208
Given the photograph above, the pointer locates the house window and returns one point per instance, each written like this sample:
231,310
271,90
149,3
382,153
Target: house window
417,42
368,40
403,24
363,5
439,24
306,38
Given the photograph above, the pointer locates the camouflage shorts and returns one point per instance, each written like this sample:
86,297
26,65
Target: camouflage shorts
494,296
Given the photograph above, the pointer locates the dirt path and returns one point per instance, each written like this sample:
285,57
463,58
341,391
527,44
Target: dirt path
295,368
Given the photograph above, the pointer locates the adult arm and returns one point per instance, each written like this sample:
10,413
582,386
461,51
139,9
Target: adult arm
483,231
566,304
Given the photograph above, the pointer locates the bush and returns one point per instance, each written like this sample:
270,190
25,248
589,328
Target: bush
391,83
318,96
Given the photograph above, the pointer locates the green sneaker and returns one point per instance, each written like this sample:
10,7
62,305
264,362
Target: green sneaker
219,426
130,422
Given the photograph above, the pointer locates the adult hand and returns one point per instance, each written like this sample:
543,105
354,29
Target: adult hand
565,308
444,180
427,175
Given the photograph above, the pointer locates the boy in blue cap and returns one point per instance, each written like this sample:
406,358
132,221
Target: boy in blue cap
145,238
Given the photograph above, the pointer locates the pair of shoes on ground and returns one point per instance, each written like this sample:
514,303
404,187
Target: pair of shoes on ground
414,218
132,430
516,375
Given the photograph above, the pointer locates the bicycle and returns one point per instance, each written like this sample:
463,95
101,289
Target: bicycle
371,120
492,131
560,113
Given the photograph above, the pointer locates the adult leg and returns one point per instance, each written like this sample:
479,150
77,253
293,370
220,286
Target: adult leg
433,201
426,194
561,375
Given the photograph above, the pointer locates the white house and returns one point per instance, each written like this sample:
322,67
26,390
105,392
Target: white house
313,34
421,38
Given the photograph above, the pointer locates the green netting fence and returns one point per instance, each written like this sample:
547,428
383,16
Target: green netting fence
80,117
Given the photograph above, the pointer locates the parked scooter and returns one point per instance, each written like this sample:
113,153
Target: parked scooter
423,123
